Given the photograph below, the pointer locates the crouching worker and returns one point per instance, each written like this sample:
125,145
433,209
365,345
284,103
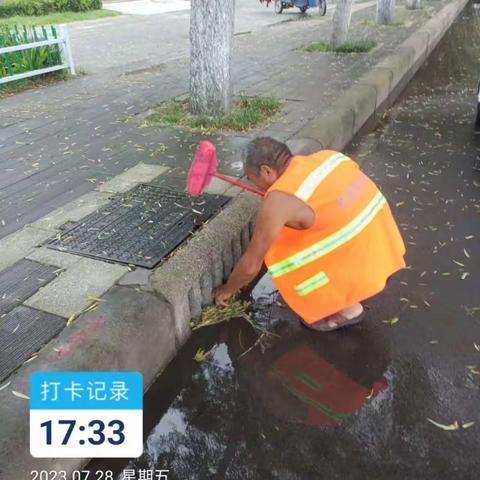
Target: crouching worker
324,230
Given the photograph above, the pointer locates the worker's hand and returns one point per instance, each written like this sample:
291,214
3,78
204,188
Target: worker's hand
222,295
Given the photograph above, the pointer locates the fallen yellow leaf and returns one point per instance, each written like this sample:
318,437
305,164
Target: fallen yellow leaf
3,387
473,369
20,395
393,321
201,355
92,298
453,426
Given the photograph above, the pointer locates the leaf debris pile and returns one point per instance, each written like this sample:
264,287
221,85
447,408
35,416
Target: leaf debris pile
214,315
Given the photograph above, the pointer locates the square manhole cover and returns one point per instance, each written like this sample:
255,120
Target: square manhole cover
139,227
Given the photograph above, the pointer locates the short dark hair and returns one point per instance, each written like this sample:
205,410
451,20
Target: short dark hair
266,151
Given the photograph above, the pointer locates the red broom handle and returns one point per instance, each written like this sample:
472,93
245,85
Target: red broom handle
238,184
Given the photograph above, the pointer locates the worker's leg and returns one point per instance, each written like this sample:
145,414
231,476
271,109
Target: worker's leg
352,311
344,318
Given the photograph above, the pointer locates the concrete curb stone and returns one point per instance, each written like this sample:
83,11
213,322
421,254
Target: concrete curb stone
362,100
399,64
186,280
304,145
379,78
419,44
333,129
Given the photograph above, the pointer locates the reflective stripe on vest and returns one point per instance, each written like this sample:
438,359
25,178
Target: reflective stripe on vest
310,184
332,242
312,284
304,397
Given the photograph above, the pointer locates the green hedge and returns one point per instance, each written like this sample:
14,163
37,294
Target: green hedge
30,8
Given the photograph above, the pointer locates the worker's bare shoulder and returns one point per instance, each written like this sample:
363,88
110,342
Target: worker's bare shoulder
273,214
281,205
277,198
286,201
282,208
273,204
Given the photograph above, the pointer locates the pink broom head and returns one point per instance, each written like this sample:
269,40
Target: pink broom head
203,167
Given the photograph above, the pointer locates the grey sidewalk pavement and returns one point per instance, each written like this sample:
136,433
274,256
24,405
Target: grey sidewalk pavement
163,37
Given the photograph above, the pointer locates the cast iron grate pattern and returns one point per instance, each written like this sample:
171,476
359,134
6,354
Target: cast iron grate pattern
23,331
21,281
139,227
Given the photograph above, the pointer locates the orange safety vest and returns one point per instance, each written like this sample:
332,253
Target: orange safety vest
350,251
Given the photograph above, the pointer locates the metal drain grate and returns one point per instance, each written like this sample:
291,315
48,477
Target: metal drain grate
23,331
139,227
21,281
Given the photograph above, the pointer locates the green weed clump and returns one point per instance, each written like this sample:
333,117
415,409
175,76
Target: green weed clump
246,113
354,46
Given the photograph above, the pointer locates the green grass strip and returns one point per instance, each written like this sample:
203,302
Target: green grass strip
246,113
57,18
354,46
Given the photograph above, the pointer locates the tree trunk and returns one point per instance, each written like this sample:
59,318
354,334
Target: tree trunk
385,12
412,4
211,46
341,22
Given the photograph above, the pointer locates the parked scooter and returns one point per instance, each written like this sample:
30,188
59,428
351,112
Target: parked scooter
302,5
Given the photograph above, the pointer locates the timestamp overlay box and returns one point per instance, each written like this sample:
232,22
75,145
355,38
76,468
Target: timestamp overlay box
86,414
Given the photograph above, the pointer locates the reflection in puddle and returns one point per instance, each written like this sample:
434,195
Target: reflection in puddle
173,421
328,395
232,410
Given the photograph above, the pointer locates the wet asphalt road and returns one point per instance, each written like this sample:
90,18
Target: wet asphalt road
355,404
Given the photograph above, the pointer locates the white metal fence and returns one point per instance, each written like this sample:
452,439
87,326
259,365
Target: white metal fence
63,41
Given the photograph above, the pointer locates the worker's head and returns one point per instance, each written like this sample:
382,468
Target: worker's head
265,160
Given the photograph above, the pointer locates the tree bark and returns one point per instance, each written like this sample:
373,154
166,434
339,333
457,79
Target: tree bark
211,46
385,12
412,4
341,22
